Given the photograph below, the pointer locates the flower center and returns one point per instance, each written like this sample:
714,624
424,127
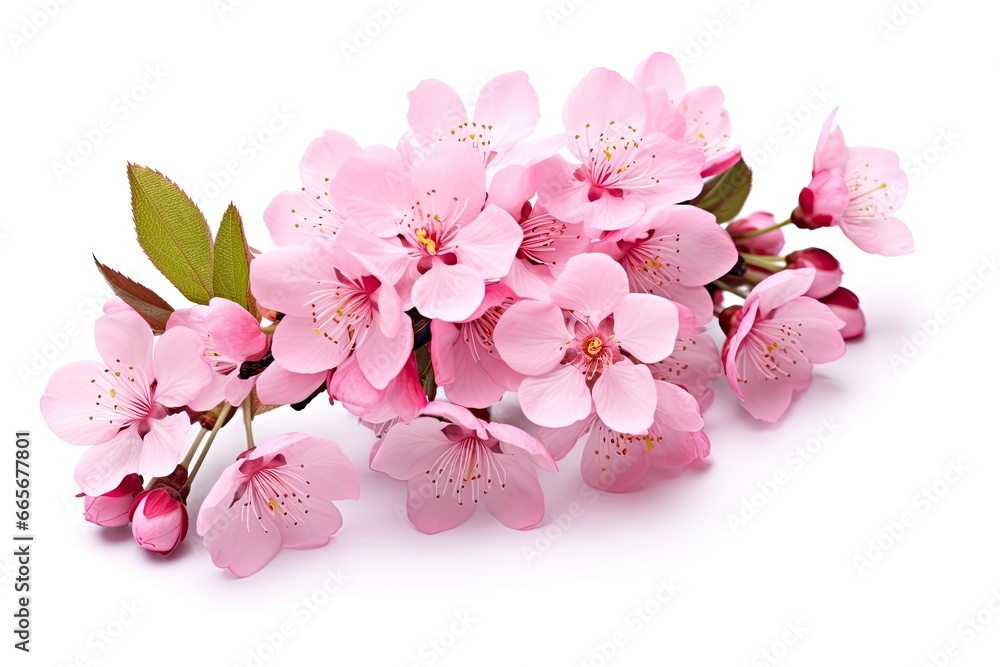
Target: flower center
594,346
424,239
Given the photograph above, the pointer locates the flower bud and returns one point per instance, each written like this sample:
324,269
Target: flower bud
769,243
845,305
111,509
159,520
828,271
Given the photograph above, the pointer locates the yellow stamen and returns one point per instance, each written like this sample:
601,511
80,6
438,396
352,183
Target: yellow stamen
428,243
273,504
607,153
649,443
112,393
594,346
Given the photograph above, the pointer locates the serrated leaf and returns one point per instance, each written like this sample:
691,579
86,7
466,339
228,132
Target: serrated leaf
172,232
145,301
231,275
724,195
426,370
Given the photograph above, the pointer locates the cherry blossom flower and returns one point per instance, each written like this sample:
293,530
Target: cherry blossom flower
451,460
429,228
309,214
276,495
626,163
121,407
466,363
768,244
574,349
845,304
775,339
693,365
618,462
828,271
700,118
401,399
673,252
859,189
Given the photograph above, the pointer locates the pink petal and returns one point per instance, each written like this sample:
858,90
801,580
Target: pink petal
557,398
68,405
449,293
445,348
381,357
324,520
508,107
279,386
625,396
602,96
488,244
102,467
350,386
527,280
436,112
284,279
676,408
515,441
124,338
646,325
163,446
531,336
324,159
591,286
560,441
178,367
679,448
781,288
560,191
331,474
408,450
374,188
456,414
691,240
819,328
613,462
880,236
431,514
831,150
450,170
511,187
296,217
299,348
235,332
244,545
519,504
660,70
236,390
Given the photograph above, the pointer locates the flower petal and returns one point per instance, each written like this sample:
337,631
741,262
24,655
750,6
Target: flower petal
69,401
647,326
449,293
102,467
432,514
591,286
488,244
557,398
408,450
625,396
520,503
531,336
124,338
179,368
236,332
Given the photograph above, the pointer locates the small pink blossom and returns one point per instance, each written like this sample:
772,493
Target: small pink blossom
309,215
466,363
858,189
402,398
775,339
111,509
573,349
693,365
451,459
427,226
845,304
229,336
626,163
121,407
159,520
276,495
698,115
673,252
618,462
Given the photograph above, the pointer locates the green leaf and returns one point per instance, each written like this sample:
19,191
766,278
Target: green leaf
172,232
724,195
426,370
231,276
145,301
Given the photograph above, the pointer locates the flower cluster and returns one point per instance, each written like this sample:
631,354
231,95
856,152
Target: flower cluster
418,285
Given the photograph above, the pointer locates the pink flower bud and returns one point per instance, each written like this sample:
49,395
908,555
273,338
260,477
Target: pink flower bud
845,305
159,520
769,243
112,508
828,271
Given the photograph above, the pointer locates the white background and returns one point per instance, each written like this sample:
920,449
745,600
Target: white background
561,593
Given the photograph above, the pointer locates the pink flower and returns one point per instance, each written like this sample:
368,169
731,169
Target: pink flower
573,349
673,252
627,164
466,363
276,495
767,244
618,462
159,520
693,365
506,113
121,406
700,118
280,386
333,309
858,189
828,271
111,509
451,460
309,214
775,339
229,336
424,224
845,304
